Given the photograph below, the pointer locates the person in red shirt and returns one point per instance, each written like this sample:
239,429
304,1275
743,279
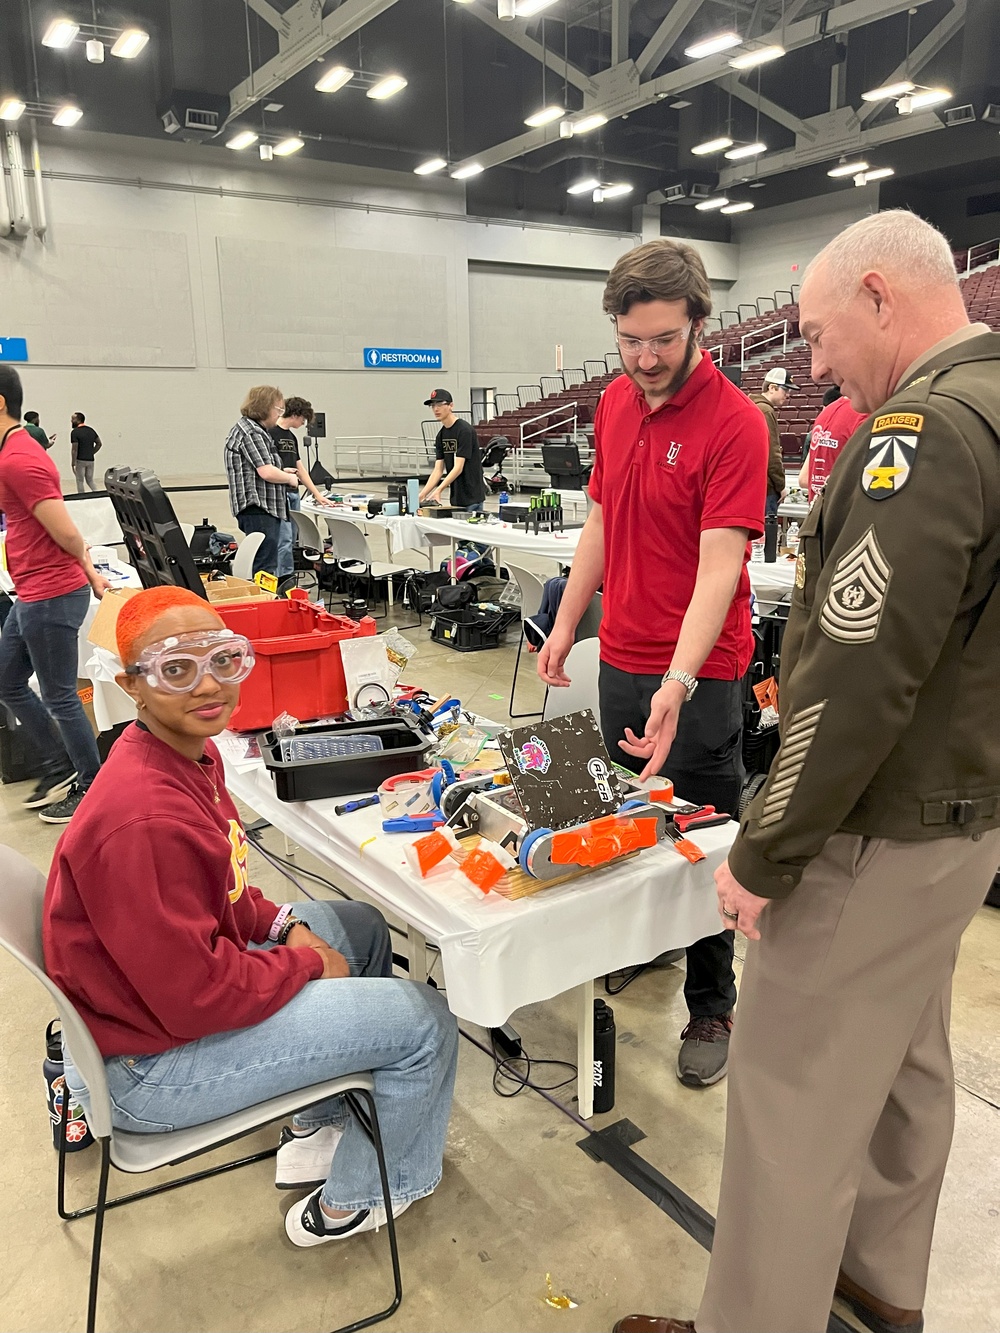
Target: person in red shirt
53,579
204,997
678,485
831,430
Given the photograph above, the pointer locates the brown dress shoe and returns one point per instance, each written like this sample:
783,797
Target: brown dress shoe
877,1315
651,1323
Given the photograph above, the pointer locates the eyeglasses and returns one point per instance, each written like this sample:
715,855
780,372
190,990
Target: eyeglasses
167,667
636,346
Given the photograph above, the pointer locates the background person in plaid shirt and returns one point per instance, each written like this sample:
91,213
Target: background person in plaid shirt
258,490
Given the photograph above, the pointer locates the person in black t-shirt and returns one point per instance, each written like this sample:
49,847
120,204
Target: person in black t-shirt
85,443
298,411
458,462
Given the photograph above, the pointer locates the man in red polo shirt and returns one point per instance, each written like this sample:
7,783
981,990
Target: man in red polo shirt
679,483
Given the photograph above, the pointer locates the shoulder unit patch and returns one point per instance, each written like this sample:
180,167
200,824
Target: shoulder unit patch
853,607
890,456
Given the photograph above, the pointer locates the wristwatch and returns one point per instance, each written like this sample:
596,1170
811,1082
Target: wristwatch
289,923
688,681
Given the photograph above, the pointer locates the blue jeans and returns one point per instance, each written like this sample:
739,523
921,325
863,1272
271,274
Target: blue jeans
771,505
41,639
286,542
402,1031
252,520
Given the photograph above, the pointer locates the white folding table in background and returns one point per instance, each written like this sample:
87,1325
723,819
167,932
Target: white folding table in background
498,955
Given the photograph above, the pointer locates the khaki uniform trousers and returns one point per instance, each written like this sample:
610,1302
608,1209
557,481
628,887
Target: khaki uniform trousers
841,1092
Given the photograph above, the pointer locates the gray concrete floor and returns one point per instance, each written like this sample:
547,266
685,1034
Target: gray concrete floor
518,1201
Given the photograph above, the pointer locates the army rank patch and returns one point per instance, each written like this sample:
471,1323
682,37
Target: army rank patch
890,457
853,607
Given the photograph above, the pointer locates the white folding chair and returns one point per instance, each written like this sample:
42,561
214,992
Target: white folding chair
531,588
310,541
355,558
22,889
244,557
582,667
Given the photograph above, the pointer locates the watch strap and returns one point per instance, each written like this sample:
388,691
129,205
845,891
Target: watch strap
689,682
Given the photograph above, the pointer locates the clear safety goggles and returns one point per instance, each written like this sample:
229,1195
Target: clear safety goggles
169,666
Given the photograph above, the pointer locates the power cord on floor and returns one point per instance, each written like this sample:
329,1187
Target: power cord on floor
628,975
525,1081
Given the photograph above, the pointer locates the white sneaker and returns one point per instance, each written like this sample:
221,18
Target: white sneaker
303,1160
306,1225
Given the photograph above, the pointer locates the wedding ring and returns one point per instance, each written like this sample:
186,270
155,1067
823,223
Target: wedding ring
733,916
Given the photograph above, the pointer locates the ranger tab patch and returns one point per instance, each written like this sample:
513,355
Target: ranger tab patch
890,456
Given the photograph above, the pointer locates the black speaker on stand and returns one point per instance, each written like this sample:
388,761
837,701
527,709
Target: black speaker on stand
316,431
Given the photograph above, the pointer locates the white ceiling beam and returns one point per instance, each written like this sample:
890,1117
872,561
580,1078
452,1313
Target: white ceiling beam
827,148
515,34
621,12
309,37
922,54
620,90
270,15
768,108
676,20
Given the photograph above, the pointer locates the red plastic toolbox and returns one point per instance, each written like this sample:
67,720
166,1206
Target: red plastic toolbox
298,669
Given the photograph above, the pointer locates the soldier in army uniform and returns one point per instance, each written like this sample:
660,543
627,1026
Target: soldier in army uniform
875,838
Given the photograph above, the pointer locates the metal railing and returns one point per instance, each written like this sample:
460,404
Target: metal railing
790,301
573,377
716,353
563,416
986,252
735,318
759,339
613,363
528,394
507,402
594,369
766,311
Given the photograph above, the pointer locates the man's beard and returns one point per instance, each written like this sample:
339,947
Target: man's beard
682,372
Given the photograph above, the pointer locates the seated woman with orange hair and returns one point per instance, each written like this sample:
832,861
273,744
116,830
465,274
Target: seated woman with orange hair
203,996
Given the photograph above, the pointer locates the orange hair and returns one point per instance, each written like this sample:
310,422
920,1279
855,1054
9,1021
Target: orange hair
144,609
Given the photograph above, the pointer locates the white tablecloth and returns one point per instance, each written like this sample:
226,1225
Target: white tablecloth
499,955
560,546
772,583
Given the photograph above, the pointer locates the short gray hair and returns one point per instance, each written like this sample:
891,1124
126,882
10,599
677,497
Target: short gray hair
893,242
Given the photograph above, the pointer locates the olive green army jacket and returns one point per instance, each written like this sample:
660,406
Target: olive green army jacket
890,666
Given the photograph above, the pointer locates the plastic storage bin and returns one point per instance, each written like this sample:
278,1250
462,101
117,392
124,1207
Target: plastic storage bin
470,630
298,669
404,746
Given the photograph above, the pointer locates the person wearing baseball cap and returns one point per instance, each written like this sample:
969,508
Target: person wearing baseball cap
774,395
457,459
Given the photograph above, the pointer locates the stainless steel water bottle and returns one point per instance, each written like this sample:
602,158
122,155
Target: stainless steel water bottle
604,1057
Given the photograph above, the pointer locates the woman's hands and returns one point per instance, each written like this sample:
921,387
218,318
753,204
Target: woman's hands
334,963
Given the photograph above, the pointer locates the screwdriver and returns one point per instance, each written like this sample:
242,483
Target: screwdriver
351,806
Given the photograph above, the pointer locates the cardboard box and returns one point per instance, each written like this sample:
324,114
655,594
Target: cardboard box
102,631
229,589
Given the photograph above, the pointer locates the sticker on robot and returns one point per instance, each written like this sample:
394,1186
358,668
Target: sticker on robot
533,756
601,774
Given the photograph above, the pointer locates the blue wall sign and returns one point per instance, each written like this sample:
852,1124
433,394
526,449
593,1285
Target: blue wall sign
16,349
403,358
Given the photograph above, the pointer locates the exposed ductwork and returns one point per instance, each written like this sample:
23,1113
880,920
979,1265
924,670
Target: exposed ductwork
37,189
5,218
18,181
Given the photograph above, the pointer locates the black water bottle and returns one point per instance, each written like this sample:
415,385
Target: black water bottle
78,1133
770,539
604,1057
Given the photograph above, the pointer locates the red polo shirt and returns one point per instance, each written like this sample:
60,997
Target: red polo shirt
662,478
38,565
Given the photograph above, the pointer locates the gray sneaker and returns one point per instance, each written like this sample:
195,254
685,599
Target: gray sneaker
61,812
704,1053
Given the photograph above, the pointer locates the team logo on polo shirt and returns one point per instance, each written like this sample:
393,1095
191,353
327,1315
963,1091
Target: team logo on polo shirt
891,451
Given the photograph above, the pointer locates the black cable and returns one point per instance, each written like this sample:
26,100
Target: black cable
629,976
542,1092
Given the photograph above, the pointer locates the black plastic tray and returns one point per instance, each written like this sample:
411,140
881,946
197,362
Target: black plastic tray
316,779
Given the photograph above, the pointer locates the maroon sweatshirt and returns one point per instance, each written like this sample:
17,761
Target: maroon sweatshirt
148,909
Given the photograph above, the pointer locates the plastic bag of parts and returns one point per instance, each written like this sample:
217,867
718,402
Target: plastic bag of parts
399,650
464,744
369,674
284,725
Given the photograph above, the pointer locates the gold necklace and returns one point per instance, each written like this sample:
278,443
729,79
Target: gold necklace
212,784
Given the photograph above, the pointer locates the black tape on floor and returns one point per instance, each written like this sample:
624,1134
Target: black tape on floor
613,1145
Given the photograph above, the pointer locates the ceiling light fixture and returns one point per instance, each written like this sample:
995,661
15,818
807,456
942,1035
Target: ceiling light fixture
243,139
712,146
923,98
889,90
707,205
95,51
592,122
430,166
679,105
613,191
879,174
60,33
334,79
527,9
288,146
11,108
67,115
711,46
847,169
131,42
387,87
463,173
751,59
744,207
266,152
584,186
545,116
746,150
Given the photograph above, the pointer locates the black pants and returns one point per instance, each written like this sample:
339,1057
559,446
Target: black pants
705,765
